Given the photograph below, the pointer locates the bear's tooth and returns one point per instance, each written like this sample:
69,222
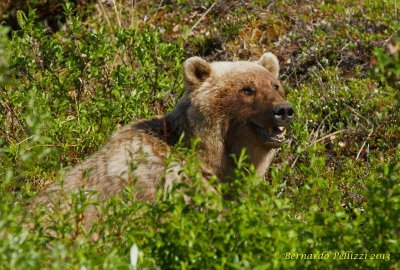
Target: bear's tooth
281,129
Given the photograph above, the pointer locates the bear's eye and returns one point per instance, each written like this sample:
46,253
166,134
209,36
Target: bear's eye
249,91
276,86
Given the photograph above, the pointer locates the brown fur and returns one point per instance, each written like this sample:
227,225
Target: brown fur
214,108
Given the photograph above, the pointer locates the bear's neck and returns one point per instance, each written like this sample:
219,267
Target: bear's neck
219,140
241,136
185,119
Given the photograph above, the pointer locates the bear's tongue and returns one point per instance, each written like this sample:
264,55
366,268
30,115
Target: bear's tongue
271,134
277,132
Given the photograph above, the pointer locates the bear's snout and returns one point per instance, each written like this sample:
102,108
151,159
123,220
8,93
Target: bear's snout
283,113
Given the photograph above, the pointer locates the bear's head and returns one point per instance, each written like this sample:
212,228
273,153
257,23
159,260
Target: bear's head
245,95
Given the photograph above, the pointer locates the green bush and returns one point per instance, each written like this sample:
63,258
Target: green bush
388,65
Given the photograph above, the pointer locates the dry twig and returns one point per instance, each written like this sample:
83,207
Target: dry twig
201,18
362,146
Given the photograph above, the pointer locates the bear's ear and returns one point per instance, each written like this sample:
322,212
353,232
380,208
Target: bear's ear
271,63
195,71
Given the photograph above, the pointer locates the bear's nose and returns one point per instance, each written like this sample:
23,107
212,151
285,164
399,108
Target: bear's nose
283,112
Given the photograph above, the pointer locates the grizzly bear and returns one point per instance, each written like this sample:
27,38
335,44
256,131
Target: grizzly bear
229,106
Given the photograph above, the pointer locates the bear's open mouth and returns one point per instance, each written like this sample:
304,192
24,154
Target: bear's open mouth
274,134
